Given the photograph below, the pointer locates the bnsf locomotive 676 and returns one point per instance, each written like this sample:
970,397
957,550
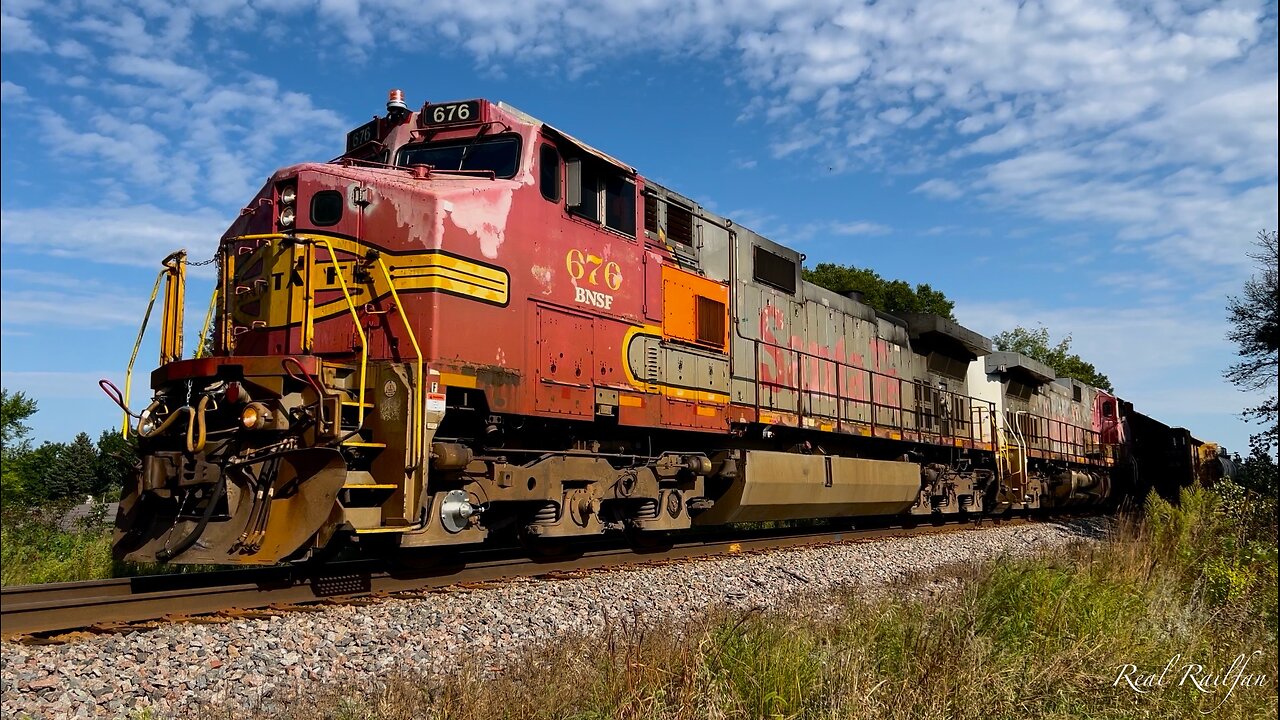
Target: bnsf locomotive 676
473,326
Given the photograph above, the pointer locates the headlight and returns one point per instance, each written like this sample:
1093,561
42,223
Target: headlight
255,416
288,195
286,217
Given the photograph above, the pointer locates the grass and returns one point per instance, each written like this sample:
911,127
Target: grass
35,548
1043,637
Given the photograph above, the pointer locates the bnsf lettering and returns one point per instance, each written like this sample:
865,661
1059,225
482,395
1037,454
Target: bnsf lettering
592,297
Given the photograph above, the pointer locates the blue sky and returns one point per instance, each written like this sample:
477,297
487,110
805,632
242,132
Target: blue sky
1097,167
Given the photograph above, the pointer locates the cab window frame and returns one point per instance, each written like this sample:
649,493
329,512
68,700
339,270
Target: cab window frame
597,182
548,151
508,137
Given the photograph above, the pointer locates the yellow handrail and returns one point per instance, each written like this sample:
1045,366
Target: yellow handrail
133,357
204,330
419,380
308,321
308,298
364,343
174,276
175,292
225,328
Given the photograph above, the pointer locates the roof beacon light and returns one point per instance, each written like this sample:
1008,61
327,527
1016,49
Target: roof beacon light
395,103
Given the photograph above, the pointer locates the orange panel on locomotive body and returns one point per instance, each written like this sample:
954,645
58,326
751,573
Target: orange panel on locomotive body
473,324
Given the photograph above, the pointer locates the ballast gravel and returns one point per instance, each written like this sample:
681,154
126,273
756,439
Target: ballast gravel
248,663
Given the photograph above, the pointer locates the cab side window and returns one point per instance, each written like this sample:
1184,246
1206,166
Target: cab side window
620,204
549,172
601,193
584,190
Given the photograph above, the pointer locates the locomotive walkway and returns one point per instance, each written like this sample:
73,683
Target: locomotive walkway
43,612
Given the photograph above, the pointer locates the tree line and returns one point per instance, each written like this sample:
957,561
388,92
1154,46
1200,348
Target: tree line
57,472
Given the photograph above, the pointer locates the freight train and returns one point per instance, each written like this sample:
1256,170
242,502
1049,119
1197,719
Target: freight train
473,327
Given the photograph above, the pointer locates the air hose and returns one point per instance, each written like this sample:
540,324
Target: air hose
166,554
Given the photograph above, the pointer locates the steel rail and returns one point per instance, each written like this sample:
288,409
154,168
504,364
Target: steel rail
106,605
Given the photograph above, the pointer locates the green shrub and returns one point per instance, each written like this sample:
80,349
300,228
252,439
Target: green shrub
36,549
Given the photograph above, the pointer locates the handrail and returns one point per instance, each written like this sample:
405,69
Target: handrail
175,293
897,413
308,328
417,435
133,357
204,329
173,274
1073,440
355,315
308,298
1020,443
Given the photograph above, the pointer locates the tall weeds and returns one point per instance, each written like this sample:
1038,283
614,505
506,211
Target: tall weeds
35,548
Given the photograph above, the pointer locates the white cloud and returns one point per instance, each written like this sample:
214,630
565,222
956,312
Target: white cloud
940,188
11,92
42,384
345,14
135,148
17,35
860,227
164,73
896,116
170,128
1128,344
68,307
941,230
121,29
137,235
73,50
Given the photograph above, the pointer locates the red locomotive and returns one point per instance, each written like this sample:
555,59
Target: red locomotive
473,325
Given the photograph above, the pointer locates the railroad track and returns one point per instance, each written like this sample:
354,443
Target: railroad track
43,611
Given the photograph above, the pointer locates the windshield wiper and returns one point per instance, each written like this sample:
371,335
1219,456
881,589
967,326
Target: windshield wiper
462,160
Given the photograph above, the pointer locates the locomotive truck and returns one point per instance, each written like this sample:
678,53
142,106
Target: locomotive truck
474,327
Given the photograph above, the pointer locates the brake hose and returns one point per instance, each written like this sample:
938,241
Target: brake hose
165,554
173,417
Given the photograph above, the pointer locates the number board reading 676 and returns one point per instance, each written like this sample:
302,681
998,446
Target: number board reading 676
451,113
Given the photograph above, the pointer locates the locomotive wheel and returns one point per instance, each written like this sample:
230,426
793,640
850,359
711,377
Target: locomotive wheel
542,548
643,541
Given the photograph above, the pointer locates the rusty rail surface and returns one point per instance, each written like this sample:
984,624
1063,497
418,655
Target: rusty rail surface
112,605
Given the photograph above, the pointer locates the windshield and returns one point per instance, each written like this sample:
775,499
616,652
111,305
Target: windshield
499,154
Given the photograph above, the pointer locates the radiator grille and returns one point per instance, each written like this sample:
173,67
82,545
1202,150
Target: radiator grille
679,224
